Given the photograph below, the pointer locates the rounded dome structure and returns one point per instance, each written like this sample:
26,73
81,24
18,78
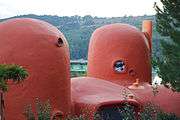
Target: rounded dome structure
119,53
43,51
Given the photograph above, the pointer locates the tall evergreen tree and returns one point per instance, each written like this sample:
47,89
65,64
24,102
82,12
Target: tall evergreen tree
168,25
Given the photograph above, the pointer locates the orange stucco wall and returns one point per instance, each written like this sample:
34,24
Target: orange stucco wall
33,44
114,42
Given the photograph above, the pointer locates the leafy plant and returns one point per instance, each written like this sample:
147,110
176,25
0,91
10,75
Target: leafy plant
166,116
43,111
148,112
128,112
153,112
28,113
81,117
14,73
11,72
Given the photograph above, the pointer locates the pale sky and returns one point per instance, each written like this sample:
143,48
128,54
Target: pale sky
102,8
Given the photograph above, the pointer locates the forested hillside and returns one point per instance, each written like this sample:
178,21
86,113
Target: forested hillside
78,29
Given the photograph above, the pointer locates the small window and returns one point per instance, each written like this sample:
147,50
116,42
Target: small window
132,72
60,42
119,66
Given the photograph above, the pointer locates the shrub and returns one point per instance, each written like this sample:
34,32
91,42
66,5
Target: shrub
149,112
43,111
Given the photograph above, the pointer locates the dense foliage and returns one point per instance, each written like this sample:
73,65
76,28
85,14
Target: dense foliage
43,111
11,72
78,29
168,25
127,112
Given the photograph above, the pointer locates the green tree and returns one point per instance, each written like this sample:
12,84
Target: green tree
9,72
168,25
88,20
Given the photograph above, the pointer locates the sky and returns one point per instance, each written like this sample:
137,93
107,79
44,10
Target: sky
101,8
